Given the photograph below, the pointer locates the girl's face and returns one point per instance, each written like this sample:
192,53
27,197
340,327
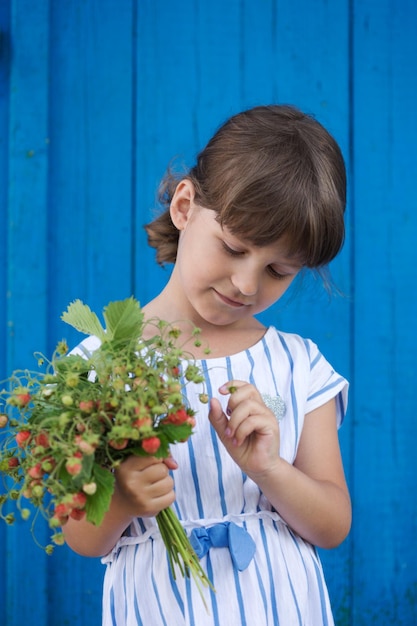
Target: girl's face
222,279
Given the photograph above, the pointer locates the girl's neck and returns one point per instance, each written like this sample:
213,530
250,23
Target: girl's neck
220,340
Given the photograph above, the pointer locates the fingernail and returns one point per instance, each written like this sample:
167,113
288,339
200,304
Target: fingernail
228,432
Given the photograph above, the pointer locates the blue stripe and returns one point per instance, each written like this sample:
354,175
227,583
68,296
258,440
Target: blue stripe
230,377
271,368
332,385
174,588
307,345
314,362
215,443
292,390
319,577
294,596
252,365
270,575
155,589
239,597
262,591
322,594
112,613
194,473
213,597
135,598
124,588
190,603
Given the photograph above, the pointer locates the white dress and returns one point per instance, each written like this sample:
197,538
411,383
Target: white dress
283,583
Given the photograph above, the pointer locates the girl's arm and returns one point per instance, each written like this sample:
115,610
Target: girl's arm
143,487
311,495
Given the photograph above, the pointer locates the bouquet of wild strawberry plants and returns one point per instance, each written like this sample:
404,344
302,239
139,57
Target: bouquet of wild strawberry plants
69,425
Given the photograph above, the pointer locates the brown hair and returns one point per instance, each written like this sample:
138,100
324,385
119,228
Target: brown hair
268,172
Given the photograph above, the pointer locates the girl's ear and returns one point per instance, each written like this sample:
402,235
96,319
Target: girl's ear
182,203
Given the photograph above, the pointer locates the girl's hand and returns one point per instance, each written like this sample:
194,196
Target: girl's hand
144,486
251,432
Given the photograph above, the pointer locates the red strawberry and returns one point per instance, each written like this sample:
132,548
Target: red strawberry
179,417
79,500
36,471
22,438
151,445
77,514
13,462
23,399
86,406
42,440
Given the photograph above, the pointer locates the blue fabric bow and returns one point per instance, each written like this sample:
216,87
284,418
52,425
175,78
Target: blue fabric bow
227,534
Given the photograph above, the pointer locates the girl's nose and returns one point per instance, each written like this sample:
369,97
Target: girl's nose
246,282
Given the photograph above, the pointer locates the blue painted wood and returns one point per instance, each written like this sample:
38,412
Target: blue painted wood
96,98
4,114
385,429
26,258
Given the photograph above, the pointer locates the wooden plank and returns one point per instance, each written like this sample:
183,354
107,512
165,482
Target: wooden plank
5,58
307,64
90,176
385,170
26,263
90,210
189,57
4,114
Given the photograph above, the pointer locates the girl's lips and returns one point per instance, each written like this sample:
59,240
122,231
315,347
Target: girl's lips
228,301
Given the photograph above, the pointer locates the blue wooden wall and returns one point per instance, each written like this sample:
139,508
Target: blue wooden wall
96,97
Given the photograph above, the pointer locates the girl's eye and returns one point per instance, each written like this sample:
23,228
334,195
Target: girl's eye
276,274
231,251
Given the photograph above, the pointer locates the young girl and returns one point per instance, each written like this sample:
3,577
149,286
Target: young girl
261,481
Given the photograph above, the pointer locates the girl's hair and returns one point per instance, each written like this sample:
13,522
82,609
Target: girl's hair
268,172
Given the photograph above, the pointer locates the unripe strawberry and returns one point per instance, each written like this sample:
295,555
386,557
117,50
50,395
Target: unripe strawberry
142,422
151,445
88,447
36,490
118,444
25,513
48,464
73,466
58,539
67,400
3,420
90,488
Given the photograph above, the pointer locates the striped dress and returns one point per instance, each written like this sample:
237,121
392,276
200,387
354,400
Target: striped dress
283,583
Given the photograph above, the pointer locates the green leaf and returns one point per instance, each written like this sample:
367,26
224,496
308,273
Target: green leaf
81,317
98,504
124,319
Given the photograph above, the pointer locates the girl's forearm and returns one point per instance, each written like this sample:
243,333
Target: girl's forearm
319,511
